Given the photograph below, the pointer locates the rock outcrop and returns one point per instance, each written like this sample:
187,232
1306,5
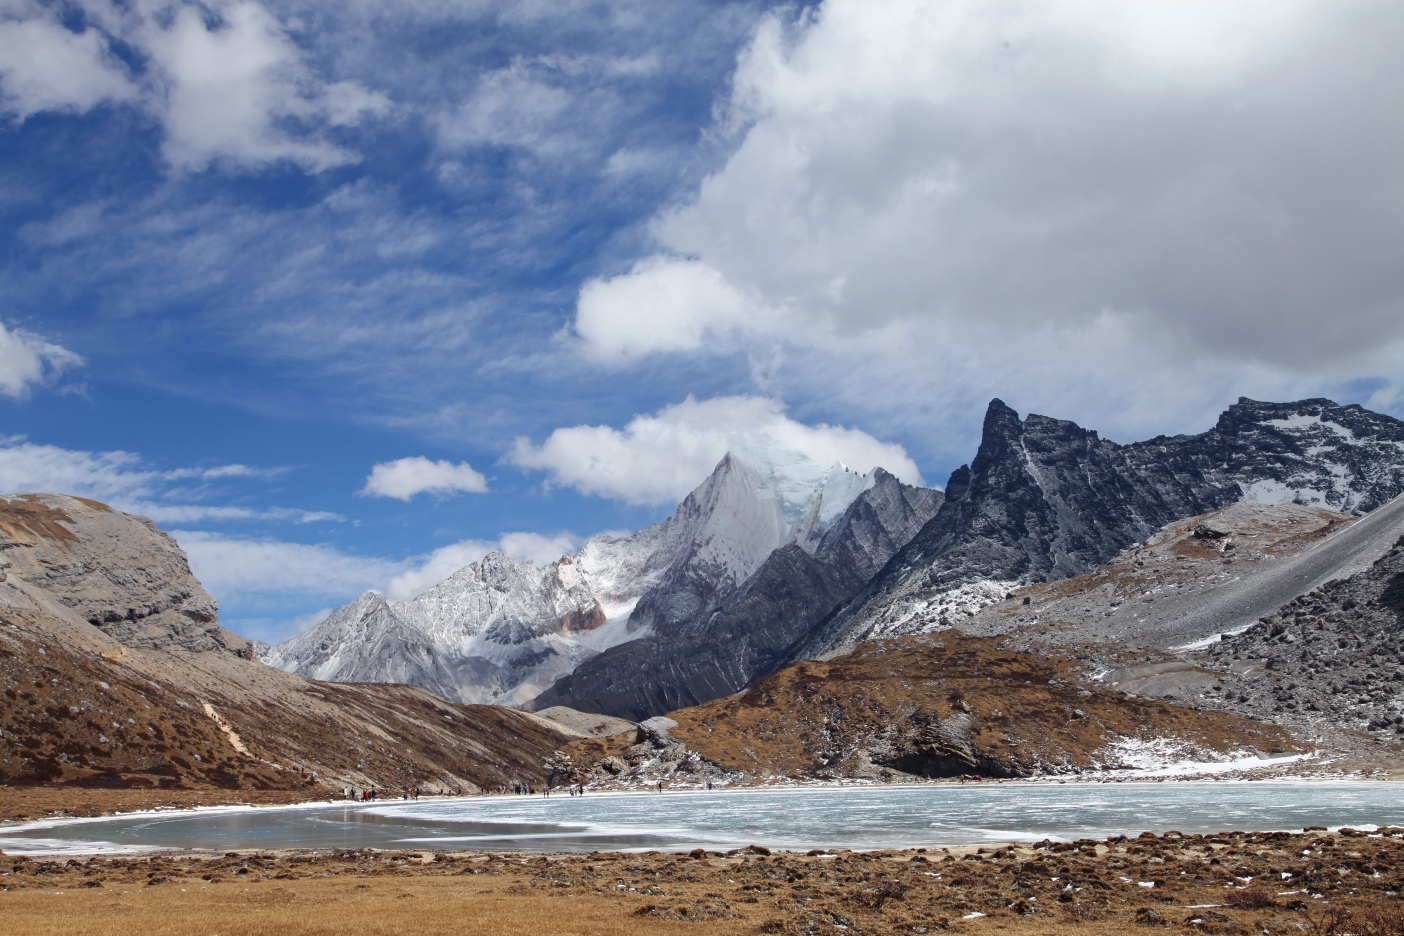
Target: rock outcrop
114,570
942,706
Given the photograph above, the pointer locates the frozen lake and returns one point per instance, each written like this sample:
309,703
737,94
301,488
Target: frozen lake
862,817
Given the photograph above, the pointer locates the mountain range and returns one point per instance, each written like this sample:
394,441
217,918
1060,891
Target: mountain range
775,558
502,630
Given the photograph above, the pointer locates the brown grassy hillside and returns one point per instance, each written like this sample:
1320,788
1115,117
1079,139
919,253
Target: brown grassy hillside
940,706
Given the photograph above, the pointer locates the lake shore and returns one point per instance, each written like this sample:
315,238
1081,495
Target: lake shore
40,801
1233,882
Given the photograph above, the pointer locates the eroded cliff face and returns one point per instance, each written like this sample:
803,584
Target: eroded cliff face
114,570
1046,499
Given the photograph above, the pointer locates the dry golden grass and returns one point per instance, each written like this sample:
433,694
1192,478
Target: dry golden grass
420,906
1347,884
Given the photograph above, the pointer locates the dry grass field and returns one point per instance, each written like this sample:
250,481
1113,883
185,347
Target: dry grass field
1236,883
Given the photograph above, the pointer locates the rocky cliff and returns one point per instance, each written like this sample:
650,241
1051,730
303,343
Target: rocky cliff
114,672
113,570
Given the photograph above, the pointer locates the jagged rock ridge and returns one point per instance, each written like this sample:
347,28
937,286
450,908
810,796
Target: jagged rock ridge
1046,499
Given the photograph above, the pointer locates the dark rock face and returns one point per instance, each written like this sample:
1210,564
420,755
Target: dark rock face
752,633
940,749
1046,499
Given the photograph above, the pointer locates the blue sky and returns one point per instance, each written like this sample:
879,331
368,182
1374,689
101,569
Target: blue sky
543,263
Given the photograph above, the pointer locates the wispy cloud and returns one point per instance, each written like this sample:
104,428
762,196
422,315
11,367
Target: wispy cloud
128,482
226,80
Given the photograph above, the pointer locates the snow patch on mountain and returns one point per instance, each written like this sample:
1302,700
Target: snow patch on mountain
924,612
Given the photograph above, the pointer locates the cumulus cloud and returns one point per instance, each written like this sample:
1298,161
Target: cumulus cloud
662,304
226,80
930,191
27,361
406,477
659,458
229,91
45,67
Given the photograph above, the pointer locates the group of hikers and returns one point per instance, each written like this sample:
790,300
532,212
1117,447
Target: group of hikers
519,789
524,789
368,796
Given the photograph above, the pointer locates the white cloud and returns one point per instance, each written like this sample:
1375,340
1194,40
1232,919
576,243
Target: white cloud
27,361
195,513
538,549
45,67
662,304
235,566
105,476
927,199
406,477
229,89
659,458
125,481
226,79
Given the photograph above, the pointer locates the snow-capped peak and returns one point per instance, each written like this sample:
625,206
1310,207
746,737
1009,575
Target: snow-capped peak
500,629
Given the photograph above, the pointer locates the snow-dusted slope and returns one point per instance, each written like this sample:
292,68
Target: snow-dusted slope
501,630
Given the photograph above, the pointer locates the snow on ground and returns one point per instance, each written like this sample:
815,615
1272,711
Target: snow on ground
947,609
1209,641
1173,757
